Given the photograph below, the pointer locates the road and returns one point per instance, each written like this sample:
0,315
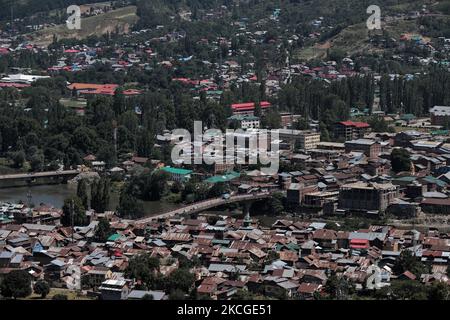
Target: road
46,174
205,205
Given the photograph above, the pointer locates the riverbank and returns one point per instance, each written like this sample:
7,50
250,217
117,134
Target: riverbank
54,195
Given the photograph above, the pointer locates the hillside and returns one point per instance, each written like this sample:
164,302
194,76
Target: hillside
356,38
25,8
121,19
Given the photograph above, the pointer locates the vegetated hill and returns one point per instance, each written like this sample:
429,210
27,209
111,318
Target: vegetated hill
355,38
25,8
120,20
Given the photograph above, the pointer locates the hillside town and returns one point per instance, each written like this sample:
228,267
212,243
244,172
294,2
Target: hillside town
358,207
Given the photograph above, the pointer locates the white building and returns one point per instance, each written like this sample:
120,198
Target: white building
22,78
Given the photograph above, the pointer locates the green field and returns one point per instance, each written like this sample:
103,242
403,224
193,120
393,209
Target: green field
121,19
71,295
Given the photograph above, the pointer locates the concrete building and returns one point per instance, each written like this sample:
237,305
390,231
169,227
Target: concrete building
319,199
114,290
178,174
302,139
248,108
362,196
22,78
369,147
349,130
245,121
439,115
297,191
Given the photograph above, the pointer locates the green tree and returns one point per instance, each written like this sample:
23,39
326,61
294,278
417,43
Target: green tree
148,297
439,291
130,206
403,290
16,284
103,230
100,195
42,288
37,161
181,279
338,288
407,262
18,158
400,160
82,192
142,268
243,294
177,295
79,213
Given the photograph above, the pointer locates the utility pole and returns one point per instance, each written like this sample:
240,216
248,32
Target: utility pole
29,198
115,136
12,16
72,213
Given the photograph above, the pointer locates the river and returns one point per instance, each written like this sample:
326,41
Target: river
54,195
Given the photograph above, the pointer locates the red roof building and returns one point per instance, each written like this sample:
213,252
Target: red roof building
14,85
350,130
101,89
248,107
359,244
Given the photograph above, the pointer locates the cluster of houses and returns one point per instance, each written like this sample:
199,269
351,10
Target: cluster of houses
290,259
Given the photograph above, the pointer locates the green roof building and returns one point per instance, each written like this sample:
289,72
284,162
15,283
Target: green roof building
114,237
225,178
178,174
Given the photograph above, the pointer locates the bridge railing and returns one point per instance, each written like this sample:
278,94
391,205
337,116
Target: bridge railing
198,205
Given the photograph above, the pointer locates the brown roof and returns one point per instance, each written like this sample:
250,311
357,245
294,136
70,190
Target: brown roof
90,157
206,288
288,256
436,202
176,237
139,160
308,288
409,275
325,234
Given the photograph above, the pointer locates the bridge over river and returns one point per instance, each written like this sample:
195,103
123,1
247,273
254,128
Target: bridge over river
206,205
36,178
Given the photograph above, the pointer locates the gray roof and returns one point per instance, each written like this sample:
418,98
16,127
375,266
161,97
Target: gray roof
58,263
317,225
38,227
367,235
213,267
288,285
139,294
440,110
18,258
6,255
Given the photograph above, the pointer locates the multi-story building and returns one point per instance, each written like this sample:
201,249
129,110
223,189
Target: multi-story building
114,290
245,121
288,119
439,115
248,108
178,174
349,130
297,191
362,196
303,139
369,147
